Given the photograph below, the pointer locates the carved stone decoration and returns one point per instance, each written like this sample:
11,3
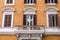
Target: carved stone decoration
29,36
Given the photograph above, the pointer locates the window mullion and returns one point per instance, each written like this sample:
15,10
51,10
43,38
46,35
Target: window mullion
50,1
30,1
7,19
9,1
33,20
53,1
55,20
52,20
29,20
27,1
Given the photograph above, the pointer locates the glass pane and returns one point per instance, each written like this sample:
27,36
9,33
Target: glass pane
52,20
29,19
7,22
7,1
11,1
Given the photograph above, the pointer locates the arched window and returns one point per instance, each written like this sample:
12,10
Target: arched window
52,17
29,16
8,17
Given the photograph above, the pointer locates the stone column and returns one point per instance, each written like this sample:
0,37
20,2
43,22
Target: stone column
17,36
41,35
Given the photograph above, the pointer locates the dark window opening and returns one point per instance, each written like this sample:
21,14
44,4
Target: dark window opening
29,20
29,1
50,1
53,20
9,1
7,22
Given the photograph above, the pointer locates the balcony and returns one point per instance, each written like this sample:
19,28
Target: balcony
52,31
21,29
7,30
30,29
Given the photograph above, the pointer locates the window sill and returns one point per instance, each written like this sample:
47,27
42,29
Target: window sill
8,4
29,4
51,4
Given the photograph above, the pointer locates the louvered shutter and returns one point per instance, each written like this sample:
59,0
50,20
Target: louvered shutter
50,21
56,19
24,20
56,1
34,19
45,1
35,1
24,1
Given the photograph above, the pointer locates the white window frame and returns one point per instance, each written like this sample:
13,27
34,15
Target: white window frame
50,12
8,12
9,4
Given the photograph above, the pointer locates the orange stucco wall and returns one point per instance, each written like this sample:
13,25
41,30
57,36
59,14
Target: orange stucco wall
51,37
18,14
8,37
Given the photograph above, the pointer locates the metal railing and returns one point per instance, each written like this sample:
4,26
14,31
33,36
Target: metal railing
30,27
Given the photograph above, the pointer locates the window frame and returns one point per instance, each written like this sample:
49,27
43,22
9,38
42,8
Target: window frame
50,11
9,4
48,17
8,11
30,11
26,2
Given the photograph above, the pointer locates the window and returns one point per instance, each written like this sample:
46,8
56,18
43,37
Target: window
52,17
29,17
9,2
7,22
29,20
8,14
29,1
53,21
50,1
